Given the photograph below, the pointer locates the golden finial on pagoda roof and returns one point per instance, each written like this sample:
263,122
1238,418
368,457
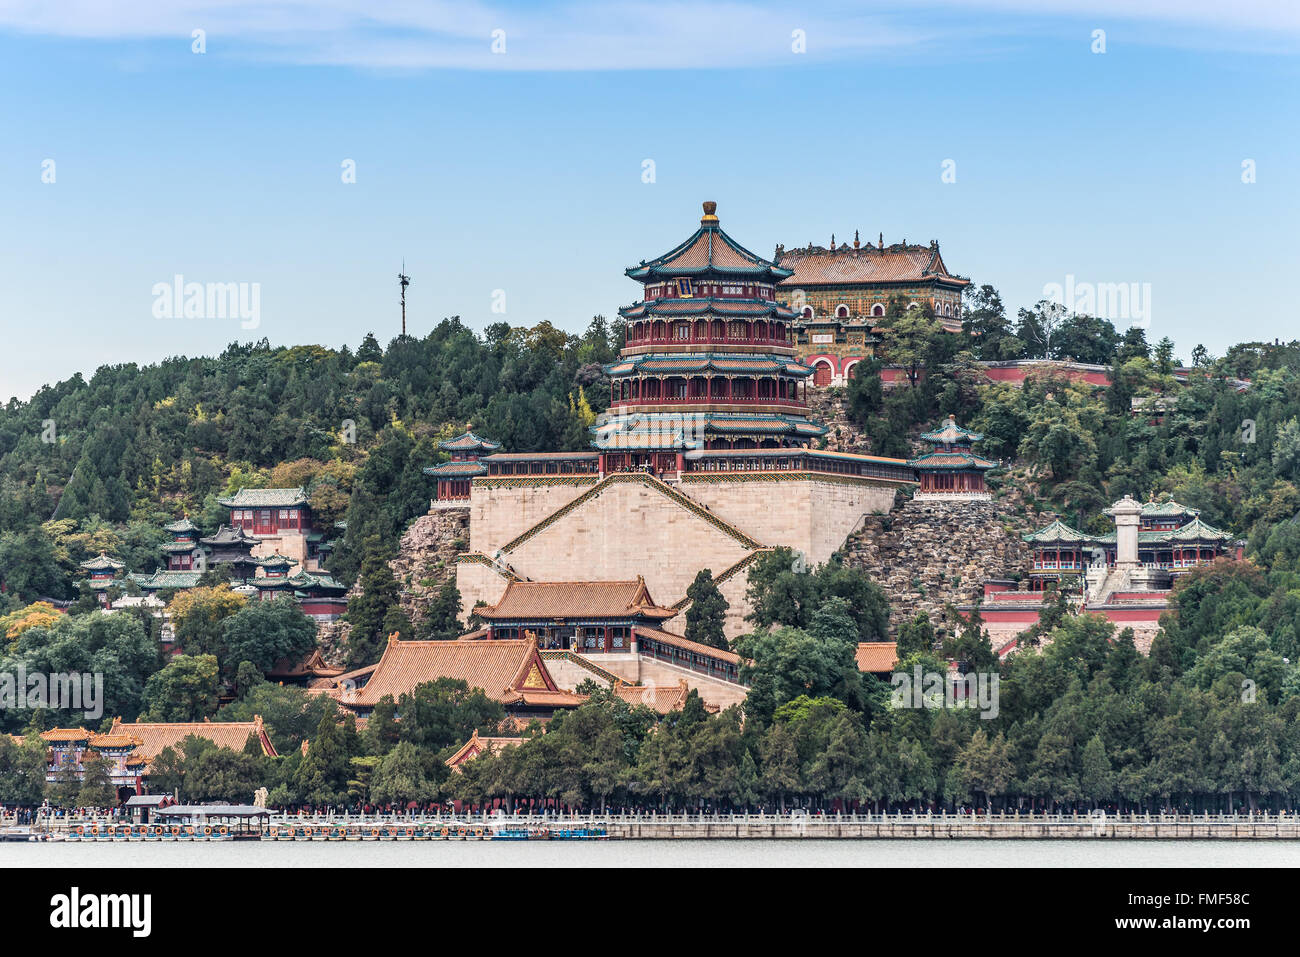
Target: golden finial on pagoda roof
710,212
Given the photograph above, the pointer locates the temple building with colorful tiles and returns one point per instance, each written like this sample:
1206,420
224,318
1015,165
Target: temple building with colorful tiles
510,671
102,575
254,571
453,476
708,361
129,749
279,520
1127,576
952,470
182,550
614,623
841,295
706,458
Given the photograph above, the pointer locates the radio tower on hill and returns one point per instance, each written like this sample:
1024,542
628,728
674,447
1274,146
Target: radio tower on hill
405,281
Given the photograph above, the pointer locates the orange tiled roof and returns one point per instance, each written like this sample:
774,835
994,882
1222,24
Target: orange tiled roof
311,664
877,656
660,698
154,736
65,734
845,265
115,741
506,670
547,699
668,638
477,744
599,599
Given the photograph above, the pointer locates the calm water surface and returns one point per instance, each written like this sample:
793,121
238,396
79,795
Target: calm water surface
765,853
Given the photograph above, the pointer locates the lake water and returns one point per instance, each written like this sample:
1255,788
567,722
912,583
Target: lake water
682,853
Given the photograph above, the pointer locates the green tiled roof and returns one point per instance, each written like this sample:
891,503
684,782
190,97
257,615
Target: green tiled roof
184,525
266,498
1198,531
708,306
952,460
304,581
1167,509
231,535
164,579
698,363
950,433
1058,531
469,442
102,562
456,470
709,251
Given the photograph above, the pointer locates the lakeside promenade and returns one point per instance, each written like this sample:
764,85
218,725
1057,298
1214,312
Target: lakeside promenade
791,826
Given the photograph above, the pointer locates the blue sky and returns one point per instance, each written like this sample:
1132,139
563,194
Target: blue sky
521,171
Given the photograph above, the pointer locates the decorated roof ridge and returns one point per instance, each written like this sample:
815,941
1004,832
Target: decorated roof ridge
517,456
182,524
661,698
1196,529
230,535
306,579
897,262
702,253
467,441
66,734
717,305
1170,507
717,361
681,641
635,420
163,578
785,452
276,559
1056,531
954,459
456,468
508,670
266,497
575,599
488,742
156,735
950,433
102,561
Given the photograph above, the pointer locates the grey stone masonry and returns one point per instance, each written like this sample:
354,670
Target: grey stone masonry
926,554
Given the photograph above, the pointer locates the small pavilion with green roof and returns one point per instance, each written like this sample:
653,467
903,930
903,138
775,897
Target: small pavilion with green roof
454,476
952,470
103,574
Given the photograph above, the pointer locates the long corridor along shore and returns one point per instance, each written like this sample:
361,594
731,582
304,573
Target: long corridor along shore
1038,826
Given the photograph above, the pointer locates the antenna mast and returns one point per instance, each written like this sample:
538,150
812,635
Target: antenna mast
405,281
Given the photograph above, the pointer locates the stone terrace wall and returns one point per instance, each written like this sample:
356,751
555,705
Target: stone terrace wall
426,558
926,554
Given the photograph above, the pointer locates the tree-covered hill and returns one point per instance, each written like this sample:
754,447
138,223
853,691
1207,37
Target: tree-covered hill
111,458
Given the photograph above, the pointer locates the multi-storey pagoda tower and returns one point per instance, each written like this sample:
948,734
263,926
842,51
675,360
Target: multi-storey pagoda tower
708,361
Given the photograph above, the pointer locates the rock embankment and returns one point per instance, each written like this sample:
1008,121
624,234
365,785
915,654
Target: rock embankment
927,554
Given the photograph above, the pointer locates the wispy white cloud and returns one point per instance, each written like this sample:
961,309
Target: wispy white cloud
621,34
